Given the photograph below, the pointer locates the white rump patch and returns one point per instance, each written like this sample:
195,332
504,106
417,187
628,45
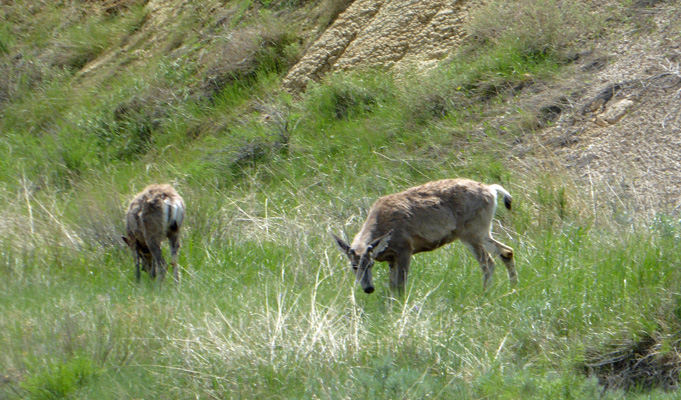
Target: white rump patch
173,212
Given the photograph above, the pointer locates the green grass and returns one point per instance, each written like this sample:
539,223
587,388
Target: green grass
266,307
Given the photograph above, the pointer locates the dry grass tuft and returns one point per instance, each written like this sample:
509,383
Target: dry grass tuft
541,26
651,362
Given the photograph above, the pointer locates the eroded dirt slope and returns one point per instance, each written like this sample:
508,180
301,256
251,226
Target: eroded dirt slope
398,34
618,128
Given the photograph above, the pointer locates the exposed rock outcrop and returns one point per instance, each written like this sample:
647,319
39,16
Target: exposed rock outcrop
398,35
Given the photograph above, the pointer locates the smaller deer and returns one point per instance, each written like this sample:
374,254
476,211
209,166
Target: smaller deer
154,214
425,218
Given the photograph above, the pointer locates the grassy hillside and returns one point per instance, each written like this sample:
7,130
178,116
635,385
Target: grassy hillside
99,99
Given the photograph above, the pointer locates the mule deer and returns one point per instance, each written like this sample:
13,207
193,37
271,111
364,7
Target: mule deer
424,218
154,214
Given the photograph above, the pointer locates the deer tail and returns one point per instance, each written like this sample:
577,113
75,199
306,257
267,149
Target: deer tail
507,196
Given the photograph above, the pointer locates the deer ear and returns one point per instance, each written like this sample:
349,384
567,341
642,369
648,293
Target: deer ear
377,246
345,248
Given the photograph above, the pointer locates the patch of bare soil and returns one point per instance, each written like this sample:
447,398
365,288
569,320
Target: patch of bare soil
619,125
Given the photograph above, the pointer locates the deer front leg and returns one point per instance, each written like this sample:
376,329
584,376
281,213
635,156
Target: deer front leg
399,270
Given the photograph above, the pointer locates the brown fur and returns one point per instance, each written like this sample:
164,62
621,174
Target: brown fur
153,215
425,218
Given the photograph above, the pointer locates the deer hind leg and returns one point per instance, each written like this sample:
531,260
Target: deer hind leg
485,260
506,254
174,247
158,266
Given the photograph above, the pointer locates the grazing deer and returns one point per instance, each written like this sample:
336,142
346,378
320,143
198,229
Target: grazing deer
156,213
424,218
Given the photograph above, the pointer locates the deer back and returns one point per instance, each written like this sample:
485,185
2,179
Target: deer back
426,217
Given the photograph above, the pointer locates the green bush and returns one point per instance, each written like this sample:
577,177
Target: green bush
60,380
341,97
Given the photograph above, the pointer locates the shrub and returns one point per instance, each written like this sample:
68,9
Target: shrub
59,380
343,96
